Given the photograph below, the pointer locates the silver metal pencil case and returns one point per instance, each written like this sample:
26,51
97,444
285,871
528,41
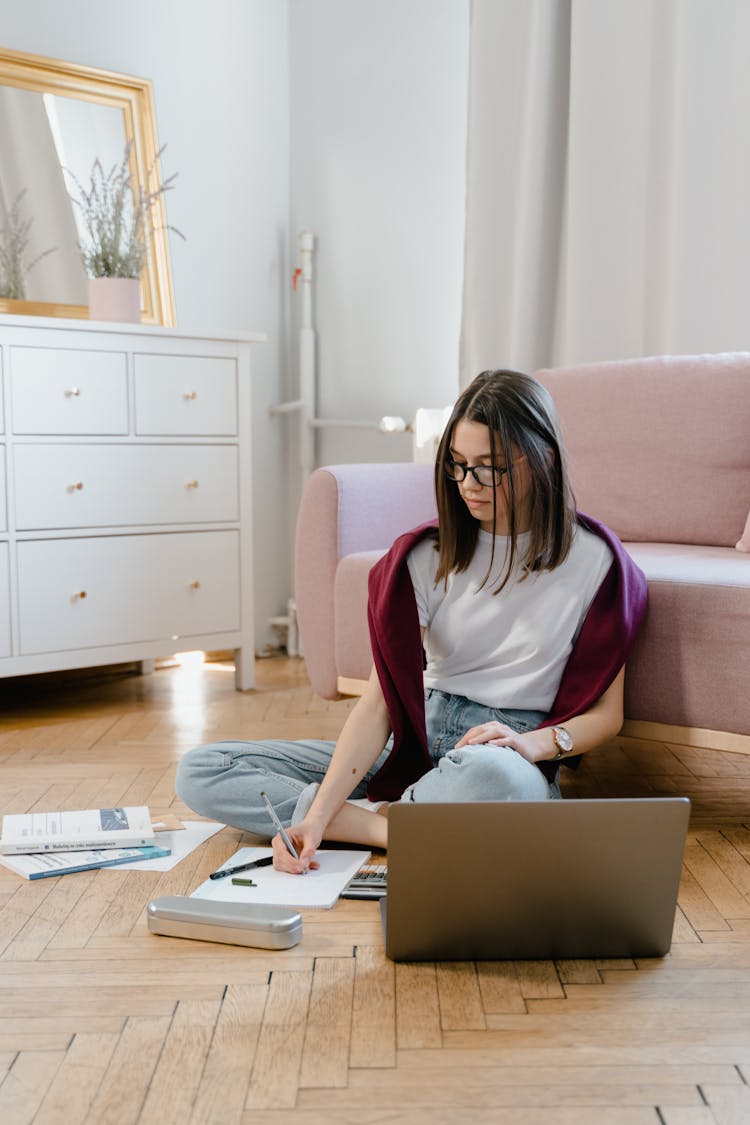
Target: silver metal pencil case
234,923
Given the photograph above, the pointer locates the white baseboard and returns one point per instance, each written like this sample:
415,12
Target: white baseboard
347,686
687,736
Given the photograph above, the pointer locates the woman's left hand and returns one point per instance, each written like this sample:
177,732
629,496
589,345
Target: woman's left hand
534,745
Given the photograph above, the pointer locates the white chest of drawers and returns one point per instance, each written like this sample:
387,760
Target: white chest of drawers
125,495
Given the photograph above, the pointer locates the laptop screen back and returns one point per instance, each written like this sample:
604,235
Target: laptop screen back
533,880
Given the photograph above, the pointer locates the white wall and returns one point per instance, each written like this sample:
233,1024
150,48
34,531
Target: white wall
373,94
379,94
221,90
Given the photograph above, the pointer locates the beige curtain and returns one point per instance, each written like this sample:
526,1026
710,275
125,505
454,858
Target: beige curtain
608,181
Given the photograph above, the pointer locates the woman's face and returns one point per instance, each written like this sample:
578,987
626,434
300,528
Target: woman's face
472,445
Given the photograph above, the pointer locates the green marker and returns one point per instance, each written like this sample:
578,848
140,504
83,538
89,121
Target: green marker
244,883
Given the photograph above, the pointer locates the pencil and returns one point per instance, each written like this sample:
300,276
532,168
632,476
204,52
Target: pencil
279,825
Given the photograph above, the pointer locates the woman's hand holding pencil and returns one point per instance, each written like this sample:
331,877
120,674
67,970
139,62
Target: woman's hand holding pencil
293,849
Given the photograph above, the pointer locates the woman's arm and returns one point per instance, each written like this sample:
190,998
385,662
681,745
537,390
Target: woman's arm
362,739
588,730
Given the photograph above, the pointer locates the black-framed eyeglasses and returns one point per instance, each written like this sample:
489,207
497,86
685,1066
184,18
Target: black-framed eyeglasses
486,476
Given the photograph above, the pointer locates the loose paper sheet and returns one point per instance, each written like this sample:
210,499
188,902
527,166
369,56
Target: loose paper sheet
180,843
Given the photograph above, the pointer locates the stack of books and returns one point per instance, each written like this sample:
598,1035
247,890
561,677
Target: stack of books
39,844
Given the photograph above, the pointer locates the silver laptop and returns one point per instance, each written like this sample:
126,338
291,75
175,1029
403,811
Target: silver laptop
533,879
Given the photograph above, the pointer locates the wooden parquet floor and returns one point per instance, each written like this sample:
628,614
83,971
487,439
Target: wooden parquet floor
102,1022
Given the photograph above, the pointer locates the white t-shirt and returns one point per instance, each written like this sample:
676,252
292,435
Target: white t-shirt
508,649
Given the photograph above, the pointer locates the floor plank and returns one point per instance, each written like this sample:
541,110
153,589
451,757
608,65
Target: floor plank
125,1085
175,1081
26,1083
325,1054
373,1040
222,1090
78,1079
275,1074
417,1006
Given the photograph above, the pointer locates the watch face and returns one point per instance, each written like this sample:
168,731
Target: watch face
563,739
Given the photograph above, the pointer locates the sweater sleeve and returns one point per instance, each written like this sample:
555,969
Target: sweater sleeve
397,653
607,636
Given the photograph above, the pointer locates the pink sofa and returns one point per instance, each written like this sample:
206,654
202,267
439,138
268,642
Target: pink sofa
660,450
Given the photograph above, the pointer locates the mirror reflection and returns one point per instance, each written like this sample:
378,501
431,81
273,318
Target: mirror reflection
56,119
44,140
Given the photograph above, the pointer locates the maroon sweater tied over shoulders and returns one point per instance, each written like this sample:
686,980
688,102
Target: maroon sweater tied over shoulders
600,650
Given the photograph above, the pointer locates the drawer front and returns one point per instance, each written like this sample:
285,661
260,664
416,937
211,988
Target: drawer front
59,486
3,505
86,593
193,395
4,601
63,391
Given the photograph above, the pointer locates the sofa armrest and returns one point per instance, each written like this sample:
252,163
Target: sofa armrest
347,509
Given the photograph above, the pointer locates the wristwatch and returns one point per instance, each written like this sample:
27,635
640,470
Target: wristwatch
563,742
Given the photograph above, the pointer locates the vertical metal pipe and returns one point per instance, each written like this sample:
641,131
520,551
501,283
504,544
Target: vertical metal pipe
308,398
307,388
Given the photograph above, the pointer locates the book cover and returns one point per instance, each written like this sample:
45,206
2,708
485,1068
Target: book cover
83,829
43,864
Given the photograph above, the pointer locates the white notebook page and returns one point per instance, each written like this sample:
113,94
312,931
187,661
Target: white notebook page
320,888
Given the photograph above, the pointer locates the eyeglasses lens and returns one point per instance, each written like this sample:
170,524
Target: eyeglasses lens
484,475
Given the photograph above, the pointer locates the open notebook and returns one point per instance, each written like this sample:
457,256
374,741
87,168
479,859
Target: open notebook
317,889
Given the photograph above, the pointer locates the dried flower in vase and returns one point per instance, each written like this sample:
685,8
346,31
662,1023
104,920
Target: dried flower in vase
117,214
14,241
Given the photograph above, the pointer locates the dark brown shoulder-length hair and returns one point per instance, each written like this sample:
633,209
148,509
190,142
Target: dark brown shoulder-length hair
522,420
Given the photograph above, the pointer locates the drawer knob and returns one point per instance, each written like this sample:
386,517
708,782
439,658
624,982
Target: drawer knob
194,585
79,595
73,392
190,395
192,484
77,487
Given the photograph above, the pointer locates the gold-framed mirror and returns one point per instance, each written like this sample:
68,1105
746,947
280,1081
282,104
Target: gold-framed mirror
56,115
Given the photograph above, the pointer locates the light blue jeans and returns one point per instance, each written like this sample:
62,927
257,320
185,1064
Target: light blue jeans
224,780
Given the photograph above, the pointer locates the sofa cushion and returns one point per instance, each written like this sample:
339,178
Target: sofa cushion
371,518
689,664
346,509
659,447
351,634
